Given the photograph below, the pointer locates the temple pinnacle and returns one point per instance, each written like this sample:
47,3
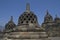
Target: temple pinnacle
27,7
11,18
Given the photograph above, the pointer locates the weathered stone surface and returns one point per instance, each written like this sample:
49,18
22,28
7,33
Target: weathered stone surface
29,29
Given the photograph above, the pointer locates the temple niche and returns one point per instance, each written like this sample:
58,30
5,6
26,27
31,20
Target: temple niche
28,27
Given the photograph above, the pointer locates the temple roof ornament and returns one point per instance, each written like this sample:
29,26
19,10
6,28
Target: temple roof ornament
28,7
47,14
57,19
48,17
56,16
11,18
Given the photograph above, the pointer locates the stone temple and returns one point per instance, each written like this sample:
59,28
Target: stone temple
28,27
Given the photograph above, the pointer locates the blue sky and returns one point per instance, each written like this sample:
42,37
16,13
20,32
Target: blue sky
16,7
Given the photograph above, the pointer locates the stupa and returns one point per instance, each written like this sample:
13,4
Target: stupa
27,28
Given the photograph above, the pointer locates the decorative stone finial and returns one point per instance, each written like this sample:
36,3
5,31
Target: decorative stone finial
27,7
11,18
47,12
56,16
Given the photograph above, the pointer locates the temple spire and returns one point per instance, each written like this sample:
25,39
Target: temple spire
11,18
27,7
56,16
47,12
